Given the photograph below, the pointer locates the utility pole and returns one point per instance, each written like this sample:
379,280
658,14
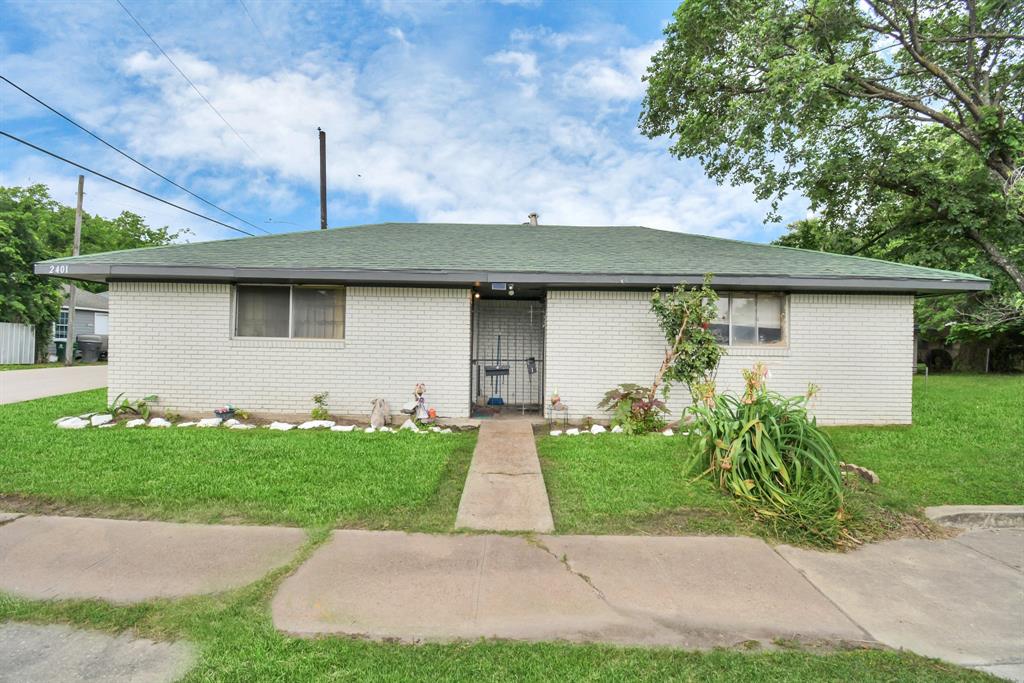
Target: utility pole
323,179
69,344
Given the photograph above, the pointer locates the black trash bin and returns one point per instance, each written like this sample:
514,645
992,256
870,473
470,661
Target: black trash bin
90,345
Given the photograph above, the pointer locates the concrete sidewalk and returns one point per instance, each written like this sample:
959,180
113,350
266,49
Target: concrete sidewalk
504,489
25,385
122,561
686,592
960,599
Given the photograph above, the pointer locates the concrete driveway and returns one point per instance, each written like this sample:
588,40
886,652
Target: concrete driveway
25,385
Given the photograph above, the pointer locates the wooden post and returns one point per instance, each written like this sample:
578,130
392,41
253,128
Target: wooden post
323,179
69,345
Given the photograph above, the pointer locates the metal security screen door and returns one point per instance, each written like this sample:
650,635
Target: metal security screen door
507,370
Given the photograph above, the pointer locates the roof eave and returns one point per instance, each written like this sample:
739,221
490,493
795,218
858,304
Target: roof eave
99,272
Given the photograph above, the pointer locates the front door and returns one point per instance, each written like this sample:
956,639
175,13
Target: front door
507,368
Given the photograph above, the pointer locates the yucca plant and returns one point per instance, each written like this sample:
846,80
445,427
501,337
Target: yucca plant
767,450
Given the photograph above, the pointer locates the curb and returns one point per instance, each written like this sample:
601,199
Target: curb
978,516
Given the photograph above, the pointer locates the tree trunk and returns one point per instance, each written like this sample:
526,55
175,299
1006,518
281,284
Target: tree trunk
670,358
997,257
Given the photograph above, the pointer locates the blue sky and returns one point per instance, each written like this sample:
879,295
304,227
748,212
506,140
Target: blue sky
460,111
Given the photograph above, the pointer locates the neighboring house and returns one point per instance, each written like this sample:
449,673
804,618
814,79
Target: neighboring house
91,316
368,311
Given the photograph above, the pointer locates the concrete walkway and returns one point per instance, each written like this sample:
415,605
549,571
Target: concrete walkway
505,488
25,385
961,599
687,592
43,654
124,562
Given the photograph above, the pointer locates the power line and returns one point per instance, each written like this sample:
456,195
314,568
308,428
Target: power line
187,79
126,155
122,184
254,24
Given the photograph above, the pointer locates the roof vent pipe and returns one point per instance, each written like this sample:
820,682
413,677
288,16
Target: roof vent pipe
533,218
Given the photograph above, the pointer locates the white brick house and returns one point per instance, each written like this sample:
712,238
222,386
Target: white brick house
494,314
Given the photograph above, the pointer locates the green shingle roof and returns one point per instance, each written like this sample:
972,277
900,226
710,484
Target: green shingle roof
433,250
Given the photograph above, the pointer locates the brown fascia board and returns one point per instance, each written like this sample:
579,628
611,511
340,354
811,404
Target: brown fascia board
101,272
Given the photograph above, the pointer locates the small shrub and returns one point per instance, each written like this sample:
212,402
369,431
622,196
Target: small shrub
320,411
634,409
172,416
242,414
139,407
767,451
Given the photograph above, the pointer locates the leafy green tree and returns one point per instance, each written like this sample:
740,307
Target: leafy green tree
25,217
992,320
895,118
34,227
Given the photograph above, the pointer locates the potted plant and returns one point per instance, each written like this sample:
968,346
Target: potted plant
225,412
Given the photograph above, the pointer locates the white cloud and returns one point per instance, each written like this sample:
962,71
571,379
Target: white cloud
544,36
619,77
525,63
421,131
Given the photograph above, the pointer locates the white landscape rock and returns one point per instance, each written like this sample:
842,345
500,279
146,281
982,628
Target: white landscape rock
617,429
446,430
239,425
73,423
555,432
108,424
409,425
231,422
385,429
97,420
342,428
435,429
209,422
317,424
159,422
61,419
85,416
598,429
186,424
281,426
369,430
137,422
669,432
572,432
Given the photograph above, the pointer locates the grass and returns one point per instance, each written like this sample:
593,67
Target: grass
36,366
308,479
236,641
965,446
616,484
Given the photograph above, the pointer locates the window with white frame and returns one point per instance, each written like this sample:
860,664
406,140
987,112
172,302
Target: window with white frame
750,319
60,328
290,311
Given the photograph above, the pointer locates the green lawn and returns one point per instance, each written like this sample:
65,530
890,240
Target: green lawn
966,446
36,366
310,479
236,641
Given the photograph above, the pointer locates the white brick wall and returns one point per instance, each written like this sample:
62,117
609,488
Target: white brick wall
858,348
175,340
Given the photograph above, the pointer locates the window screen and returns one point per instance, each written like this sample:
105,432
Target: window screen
720,326
750,319
769,319
744,319
318,313
261,311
